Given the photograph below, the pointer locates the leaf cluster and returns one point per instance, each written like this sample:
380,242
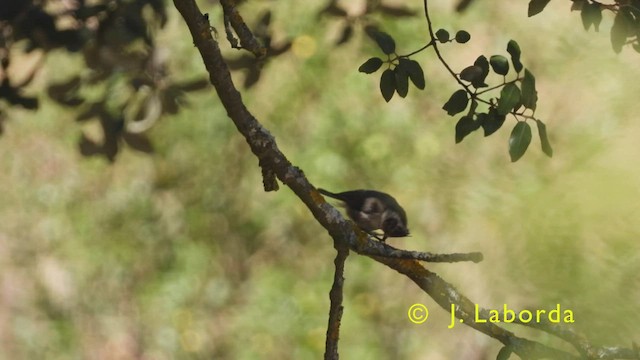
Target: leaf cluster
626,23
516,96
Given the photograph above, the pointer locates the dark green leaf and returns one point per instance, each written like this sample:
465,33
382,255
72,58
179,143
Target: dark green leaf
536,6
499,64
529,92
504,353
402,80
456,103
519,140
370,66
544,139
388,84
442,35
514,50
509,98
465,126
483,64
415,72
622,27
491,122
470,73
462,37
385,42
591,14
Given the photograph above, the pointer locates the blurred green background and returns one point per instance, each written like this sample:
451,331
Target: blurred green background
181,255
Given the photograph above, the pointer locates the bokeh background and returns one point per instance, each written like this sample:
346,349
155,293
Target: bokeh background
182,255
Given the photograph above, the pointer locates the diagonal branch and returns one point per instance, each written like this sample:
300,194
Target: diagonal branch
264,146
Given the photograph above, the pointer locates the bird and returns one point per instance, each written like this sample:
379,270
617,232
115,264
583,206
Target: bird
373,210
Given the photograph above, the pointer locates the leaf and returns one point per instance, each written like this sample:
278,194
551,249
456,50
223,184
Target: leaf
483,64
591,14
345,34
504,353
499,64
465,126
529,92
622,27
388,84
385,42
536,7
514,50
456,103
462,37
544,139
519,140
399,11
402,80
491,121
442,35
370,66
415,72
470,73
509,98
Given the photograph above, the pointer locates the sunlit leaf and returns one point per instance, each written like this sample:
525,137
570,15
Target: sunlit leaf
388,84
456,103
519,140
544,139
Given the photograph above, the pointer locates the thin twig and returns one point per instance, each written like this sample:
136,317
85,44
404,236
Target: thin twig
335,296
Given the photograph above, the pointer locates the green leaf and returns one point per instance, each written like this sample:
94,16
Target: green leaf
456,103
529,92
442,35
462,37
591,14
536,6
465,126
519,140
402,80
509,98
622,27
370,66
514,50
499,64
483,64
385,42
544,139
470,73
414,70
491,121
504,353
388,84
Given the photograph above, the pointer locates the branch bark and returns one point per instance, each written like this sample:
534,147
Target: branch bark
264,146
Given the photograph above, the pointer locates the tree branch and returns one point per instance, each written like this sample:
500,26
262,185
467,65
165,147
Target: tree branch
335,296
264,146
